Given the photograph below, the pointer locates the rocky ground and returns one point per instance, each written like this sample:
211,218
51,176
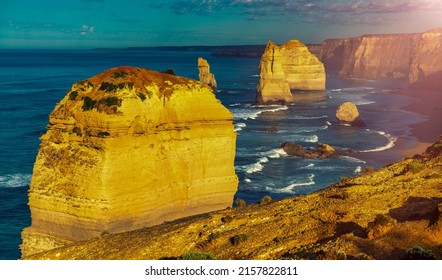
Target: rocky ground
391,213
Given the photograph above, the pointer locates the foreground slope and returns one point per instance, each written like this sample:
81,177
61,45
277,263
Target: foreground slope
391,213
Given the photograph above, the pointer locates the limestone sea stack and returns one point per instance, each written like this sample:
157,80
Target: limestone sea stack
126,149
286,68
204,73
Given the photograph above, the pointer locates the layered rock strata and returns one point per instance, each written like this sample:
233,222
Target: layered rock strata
416,57
204,73
286,68
126,149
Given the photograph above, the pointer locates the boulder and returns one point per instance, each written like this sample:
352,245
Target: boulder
347,112
321,151
126,149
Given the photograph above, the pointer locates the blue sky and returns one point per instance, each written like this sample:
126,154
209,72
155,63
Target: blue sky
122,23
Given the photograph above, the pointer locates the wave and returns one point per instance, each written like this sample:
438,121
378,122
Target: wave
299,117
328,123
352,89
352,159
391,141
256,75
289,189
310,139
358,170
254,167
15,180
252,112
234,104
275,153
247,180
239,126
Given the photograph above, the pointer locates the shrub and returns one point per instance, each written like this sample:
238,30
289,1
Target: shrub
88,103
197,256
415,166
417,253
239,238
142,96
240,202
368,169
117,75
73,95
103,134
265,200
107,87
111,101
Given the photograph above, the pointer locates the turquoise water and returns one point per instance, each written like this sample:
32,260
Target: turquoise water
32,82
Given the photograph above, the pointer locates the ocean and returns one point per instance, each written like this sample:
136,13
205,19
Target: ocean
33,81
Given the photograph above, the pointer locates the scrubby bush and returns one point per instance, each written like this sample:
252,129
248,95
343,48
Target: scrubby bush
239,238
265,200
240,202
197,256
88,103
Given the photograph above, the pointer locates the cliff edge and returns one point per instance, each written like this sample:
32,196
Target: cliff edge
126,149
391,213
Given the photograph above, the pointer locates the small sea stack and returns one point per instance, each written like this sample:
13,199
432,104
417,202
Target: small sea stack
126,149
204,73
348,113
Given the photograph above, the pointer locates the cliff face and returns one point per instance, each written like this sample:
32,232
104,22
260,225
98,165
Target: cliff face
417,57
204,73
391,213
371,56
426,61
126,149
288,67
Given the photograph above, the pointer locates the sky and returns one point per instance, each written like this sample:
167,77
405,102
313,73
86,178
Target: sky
134,23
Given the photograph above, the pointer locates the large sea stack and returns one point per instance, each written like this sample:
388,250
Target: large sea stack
286,68
126,149
204,73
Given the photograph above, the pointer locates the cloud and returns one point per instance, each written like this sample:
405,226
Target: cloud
86,30
321,11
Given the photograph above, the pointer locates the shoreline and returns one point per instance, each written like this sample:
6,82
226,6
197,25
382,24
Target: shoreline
428,104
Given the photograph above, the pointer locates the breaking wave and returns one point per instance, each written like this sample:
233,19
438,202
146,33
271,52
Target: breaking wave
310,139
239,126
390,144
290,188
252,112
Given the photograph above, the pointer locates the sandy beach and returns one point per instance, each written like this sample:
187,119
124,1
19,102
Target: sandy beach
428,104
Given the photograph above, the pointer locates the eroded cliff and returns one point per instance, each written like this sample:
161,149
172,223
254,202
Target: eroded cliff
426,61
288,67
126,149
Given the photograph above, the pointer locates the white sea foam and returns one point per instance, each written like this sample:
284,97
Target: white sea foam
234,104
310,139
358,170
352,159
252,112
275,153
247,180
328,123
309,166
290,188
255,167
299,117
15,180
239,126
390,144
256,75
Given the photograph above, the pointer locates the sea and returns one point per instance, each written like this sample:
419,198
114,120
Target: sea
33,81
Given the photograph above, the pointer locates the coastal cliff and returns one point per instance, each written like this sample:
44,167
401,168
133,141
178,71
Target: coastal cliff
369,56
426,61
126,149
391,213
204,73
288,67
416,57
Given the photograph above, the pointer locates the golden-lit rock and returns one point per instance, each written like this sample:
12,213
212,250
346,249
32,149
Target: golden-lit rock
347,112
126,149
288,67
204,73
